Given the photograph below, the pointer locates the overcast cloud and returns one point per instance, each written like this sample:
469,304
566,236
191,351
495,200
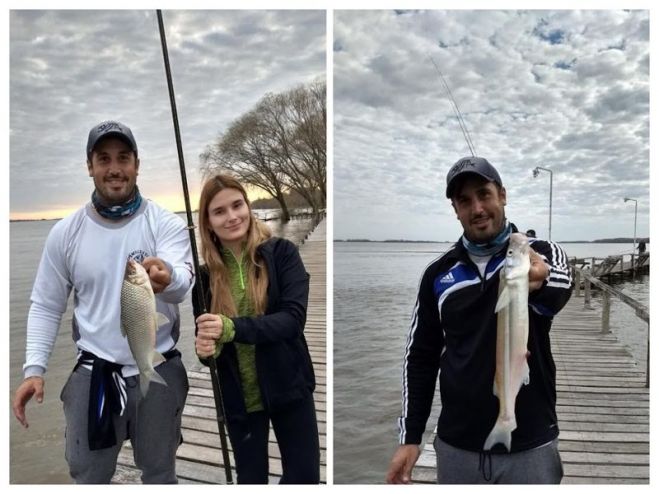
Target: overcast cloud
565,90
72,69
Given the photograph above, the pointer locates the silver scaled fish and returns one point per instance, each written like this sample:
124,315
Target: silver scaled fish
512,369
139,323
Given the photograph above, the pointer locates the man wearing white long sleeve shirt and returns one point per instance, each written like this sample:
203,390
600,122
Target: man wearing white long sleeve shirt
87,252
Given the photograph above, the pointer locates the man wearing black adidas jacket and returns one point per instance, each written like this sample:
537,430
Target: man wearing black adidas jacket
454,330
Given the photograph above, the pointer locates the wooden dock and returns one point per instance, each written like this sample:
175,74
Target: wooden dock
614,266
199,458
602,406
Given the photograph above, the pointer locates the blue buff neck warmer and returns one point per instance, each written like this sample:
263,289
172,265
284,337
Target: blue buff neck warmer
491,247
118,211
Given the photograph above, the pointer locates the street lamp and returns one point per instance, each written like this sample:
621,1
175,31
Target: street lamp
536,172
635,210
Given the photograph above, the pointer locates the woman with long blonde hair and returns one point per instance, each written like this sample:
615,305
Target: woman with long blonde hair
257,292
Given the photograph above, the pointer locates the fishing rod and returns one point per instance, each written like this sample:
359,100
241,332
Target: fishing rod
217,391
456,110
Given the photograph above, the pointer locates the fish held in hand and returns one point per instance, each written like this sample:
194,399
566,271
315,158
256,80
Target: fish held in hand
139,323
512,369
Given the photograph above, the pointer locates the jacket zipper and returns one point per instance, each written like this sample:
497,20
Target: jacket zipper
240,267
477,271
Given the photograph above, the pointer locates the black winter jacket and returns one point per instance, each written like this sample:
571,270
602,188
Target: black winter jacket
283,364
454,330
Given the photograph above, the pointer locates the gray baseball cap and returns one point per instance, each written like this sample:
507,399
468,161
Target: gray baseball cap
110,127
471,164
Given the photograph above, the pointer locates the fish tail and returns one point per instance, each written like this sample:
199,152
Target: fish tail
501,433
144,384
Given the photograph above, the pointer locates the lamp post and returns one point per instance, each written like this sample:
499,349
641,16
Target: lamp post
536,172
635,211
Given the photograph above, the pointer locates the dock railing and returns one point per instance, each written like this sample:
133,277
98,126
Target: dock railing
641,311
620,264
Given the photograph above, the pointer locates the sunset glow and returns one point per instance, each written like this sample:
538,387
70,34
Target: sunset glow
172,202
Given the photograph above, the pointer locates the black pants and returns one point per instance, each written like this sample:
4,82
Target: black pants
296,431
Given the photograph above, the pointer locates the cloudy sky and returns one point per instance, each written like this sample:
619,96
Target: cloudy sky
564,90
70,69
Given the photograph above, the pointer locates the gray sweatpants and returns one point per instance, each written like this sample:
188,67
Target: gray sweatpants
152,423
536,466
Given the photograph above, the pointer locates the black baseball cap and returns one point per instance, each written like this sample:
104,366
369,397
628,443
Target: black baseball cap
107,128
471,164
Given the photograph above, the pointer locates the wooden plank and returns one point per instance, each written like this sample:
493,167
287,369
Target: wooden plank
568,479
603,447
574,435
603,418
587,424
634,473
607,458
621,410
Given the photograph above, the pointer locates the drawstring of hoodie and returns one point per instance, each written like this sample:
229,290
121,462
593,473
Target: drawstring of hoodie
485,457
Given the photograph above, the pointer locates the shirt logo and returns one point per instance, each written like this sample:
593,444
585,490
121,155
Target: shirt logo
448,278
138,256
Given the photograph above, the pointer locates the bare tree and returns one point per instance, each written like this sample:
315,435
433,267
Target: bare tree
280,145
243,152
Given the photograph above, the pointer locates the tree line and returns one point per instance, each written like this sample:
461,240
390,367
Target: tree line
278,146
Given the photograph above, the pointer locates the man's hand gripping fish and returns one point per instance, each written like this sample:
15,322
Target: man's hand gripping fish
512,369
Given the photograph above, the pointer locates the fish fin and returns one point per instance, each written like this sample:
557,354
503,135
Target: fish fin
161,319
526,374
157,378
147,378
501,433
157,358
504,299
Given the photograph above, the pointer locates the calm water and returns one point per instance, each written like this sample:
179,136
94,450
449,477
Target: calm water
375,288
37,454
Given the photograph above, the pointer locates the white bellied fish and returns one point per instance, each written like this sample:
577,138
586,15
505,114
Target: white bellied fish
512,369
140,321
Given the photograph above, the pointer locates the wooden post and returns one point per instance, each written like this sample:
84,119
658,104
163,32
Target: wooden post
586,290
647,363
577,281
606,311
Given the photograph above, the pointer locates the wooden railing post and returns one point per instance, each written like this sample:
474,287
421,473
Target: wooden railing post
608,291
577,281
606,311
647,363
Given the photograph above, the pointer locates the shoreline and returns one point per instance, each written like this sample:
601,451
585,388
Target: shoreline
617,240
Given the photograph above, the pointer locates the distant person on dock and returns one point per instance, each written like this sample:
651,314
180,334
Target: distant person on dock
454,329
530,233
641,247
87,252
257,290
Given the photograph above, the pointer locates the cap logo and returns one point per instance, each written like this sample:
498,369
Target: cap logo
109,125
460,165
